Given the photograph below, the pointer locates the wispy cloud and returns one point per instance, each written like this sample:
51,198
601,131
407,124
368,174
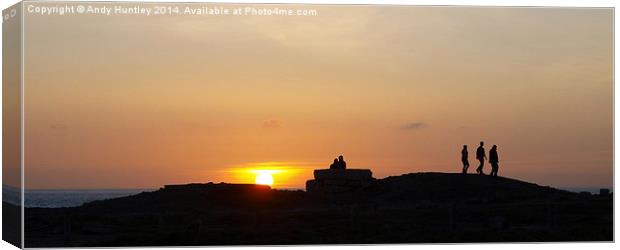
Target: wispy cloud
272,123
414,126
59,126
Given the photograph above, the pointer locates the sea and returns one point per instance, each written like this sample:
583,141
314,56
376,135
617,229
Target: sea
54,198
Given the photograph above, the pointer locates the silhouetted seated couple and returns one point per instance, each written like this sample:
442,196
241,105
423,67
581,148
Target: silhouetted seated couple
481,157
339,163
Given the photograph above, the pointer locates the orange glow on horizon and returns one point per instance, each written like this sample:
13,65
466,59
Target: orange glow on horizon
274,174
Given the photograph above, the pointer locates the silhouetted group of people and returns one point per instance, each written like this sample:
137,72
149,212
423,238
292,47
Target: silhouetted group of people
339,163
481,157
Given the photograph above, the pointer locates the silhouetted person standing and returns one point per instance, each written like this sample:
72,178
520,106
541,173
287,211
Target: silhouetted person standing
494,160
480,156
465,159
341,163
334,165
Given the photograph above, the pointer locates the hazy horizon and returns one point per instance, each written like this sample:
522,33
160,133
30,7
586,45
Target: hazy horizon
137,102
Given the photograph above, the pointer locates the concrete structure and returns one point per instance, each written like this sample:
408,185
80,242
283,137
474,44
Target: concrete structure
339,180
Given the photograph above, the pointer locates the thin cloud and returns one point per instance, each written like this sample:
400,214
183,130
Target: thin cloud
414,126
273,123
59,126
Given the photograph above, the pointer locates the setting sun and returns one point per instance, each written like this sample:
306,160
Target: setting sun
273,174
264,179
264,176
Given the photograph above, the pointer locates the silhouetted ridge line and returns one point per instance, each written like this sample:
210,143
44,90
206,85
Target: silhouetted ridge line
424,207
407,188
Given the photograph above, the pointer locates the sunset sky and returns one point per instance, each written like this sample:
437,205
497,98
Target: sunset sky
139,102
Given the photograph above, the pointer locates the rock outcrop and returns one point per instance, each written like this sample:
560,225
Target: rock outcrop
339,180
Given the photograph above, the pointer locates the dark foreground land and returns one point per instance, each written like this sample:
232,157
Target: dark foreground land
421,207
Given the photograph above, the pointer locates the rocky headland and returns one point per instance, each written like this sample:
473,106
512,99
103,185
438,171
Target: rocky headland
339,208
